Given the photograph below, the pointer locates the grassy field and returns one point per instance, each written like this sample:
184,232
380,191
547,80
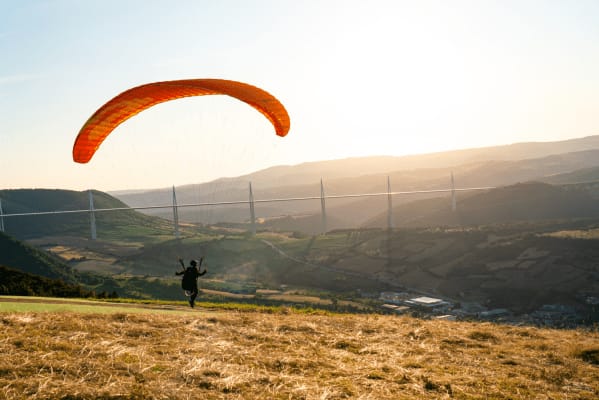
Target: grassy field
86,351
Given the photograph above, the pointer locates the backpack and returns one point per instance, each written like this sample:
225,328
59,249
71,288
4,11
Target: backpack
189,279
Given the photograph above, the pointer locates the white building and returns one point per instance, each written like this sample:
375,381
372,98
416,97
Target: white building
428,303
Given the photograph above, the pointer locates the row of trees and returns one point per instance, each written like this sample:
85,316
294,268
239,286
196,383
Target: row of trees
17,283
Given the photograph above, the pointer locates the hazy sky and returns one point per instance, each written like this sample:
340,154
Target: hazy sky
358,78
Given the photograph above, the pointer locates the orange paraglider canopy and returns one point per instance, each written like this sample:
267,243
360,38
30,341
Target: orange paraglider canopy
137,99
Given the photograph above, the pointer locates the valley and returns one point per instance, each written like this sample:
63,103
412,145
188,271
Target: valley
527,245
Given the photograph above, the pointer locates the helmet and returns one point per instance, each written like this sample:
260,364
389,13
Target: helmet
193,263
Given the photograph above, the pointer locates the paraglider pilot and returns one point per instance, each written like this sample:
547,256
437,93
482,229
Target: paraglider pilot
189,283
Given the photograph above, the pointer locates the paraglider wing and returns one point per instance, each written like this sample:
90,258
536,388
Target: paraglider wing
135,100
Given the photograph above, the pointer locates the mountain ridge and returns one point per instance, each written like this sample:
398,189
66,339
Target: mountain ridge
488,167
371,164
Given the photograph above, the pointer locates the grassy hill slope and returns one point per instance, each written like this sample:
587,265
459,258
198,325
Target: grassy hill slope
18,283
515,267
18,255
114,224
580,175
532,201
240,355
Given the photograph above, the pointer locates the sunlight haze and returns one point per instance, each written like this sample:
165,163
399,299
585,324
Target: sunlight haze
357,78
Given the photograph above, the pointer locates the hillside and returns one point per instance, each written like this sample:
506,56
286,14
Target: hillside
478,167
18,255
505,204
17,283
27,270
532,201
515,267
239,355
114,224
581,175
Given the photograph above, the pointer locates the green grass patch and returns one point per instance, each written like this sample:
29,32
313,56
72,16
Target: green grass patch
46,304
77,308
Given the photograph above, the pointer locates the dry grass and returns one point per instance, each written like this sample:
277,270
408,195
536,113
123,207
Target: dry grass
220,355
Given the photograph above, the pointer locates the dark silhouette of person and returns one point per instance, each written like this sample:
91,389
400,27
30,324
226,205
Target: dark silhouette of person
189,283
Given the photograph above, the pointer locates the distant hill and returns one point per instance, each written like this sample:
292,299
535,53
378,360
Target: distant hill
111,224
532,201
577,176
311,172
17,255
491,166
